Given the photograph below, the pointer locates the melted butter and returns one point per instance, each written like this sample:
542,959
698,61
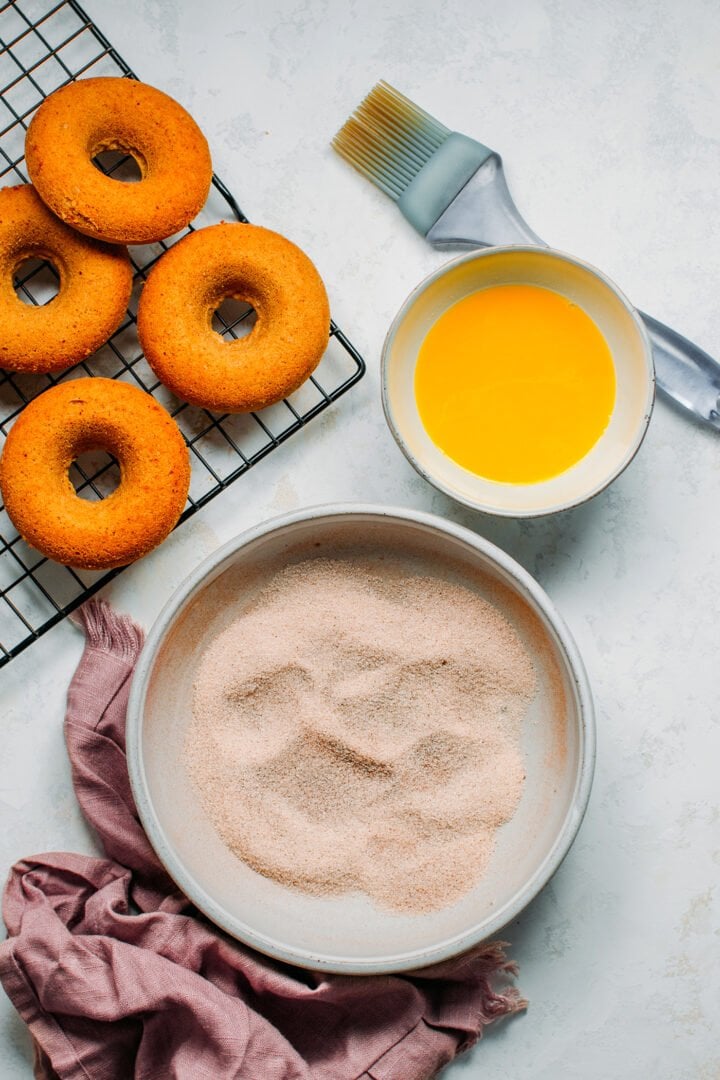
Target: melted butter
515,383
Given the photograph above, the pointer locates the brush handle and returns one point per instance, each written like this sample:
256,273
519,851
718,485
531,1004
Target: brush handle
684,372
483,214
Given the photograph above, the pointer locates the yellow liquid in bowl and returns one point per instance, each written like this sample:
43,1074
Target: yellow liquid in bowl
515,383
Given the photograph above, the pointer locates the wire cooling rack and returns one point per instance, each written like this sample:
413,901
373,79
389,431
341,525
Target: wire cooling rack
42,47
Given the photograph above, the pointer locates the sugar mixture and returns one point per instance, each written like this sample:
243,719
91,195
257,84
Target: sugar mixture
357,728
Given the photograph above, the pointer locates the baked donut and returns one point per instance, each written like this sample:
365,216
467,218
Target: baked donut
95,285
94,414
187,285
84,118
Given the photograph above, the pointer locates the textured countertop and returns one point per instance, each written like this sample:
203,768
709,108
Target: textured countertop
608,118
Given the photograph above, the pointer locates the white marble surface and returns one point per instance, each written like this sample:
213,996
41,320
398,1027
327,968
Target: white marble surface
608,116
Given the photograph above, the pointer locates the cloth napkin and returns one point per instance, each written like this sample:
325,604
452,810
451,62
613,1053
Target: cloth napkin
119,977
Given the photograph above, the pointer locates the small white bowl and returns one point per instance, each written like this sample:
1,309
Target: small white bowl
348,933
617,320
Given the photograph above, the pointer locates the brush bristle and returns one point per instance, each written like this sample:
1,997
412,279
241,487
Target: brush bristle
388,139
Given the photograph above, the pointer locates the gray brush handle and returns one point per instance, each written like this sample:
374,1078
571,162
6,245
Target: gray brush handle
685,372
483,214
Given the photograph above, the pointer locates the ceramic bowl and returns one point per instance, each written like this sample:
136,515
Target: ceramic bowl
617,320
349,933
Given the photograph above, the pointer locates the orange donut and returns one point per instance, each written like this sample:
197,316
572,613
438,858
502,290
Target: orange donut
80,121
186,287
91,414
95,285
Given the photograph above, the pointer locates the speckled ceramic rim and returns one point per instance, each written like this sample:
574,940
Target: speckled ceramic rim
531,592
486,507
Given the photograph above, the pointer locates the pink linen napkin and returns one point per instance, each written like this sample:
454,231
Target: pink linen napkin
118,976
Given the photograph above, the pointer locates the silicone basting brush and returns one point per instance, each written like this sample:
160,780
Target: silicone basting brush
452,189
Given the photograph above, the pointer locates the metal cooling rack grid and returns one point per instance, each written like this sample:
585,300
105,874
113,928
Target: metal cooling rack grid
44,47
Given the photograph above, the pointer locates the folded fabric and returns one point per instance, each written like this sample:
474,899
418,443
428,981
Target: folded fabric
118,976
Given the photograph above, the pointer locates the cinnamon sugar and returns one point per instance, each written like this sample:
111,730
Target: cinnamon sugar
359,729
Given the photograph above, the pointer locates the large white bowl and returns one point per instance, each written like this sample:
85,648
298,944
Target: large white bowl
615,317
349,934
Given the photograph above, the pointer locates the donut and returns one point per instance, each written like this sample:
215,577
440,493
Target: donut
95,285
94,414
84,118
187,285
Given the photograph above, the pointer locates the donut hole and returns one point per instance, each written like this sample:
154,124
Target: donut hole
234,318
36,281
121,165
94,474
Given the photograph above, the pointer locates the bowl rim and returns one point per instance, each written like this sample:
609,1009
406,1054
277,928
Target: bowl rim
459,943
422,470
